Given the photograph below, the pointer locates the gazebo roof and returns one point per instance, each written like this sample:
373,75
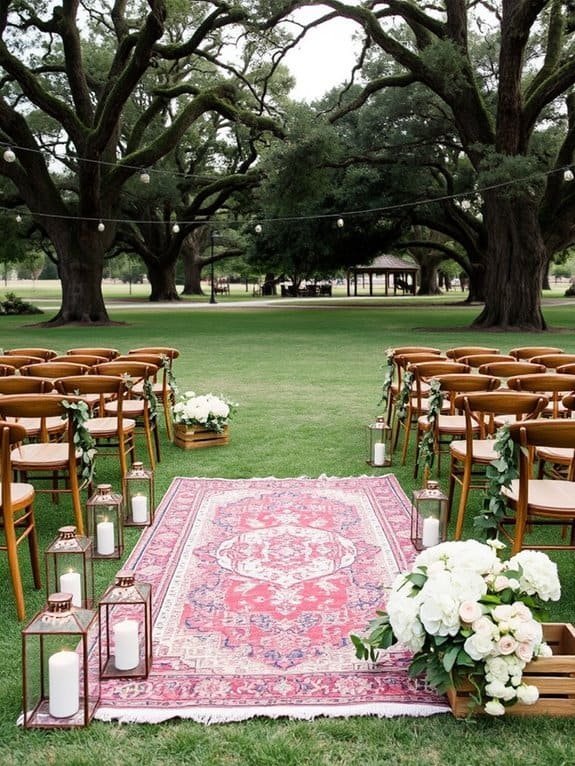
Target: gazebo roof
385,263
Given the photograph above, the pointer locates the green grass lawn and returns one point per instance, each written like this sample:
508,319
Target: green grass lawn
307,381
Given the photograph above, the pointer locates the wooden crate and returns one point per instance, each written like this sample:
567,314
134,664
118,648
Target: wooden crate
553,676
196,437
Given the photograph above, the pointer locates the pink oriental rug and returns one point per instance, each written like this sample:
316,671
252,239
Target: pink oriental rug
257,585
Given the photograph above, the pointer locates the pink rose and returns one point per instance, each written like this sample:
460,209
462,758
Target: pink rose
507,645
469,611
524,652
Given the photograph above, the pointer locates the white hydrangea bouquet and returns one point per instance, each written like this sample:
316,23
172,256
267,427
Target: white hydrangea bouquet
211,412
469,616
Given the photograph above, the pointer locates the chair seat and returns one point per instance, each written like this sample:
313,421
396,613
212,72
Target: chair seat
22,494
483,450
52,455
547,497
555,454
448,424
54,425
108,427
133,407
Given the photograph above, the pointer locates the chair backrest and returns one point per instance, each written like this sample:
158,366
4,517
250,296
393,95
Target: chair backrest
458,351
107,387
453,384
424,371
87,359
568,402
553,361
19,360
483,408
168,351
136,372
40,406
476,360
544,432
6,370
527,352
553,385
566,369
509,369
25,384
39,352
107,353
10,433
54,369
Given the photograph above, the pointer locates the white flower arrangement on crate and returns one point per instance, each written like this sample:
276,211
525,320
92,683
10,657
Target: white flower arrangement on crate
211,412
468,616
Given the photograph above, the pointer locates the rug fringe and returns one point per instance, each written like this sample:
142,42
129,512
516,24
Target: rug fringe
230,715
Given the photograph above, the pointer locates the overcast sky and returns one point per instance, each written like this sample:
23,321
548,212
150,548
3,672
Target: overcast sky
323,59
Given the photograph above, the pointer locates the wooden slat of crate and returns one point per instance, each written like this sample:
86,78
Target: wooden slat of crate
196,437
553,676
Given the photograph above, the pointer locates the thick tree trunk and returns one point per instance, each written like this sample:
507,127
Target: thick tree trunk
428,277
80,267
190,252
476,276
162,279
516,265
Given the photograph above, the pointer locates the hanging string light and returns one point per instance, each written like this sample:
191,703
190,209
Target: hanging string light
9,155
175,228
465,204
144,177
18,218
568,175
101,226
258,228
340,223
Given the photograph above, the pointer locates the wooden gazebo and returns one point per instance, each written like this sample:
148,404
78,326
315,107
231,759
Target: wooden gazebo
403,274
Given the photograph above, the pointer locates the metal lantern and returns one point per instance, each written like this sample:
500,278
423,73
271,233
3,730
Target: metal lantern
69,567
428,516
139,499
379,442
105,523
58,689
126,628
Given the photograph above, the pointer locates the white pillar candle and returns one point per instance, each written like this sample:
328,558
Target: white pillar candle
378,453
105,538
126,645
430,535
71,582
63,684
140,509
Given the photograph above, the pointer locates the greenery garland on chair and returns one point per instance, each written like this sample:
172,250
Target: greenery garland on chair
427,444
403,396
388,378
150,396
172,384
83,439
500,473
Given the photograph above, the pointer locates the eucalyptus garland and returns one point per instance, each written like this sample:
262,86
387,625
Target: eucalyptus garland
83,439
151,398
404,394
167,366
500,473
427,444
388,378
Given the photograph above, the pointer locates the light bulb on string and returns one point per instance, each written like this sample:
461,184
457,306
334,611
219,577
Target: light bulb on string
175,228
258,228
18,218
465,204
340,223
144,177
568,175
101,226
9,155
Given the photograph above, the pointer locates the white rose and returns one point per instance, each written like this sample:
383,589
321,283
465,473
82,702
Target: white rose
470,611
494,707
543,650
500,583
478,646
527,694
484,625
496,689
502,612
497,668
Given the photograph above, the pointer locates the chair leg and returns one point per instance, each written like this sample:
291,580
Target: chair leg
76,502
156,439
465,485
34,549
14,567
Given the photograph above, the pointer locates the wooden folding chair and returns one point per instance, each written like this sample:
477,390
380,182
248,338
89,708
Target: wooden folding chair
471,455
505,370
553,386
107,353
137,407
540,502
160,383
54,369
47,461
26,384
476,360
88,359
17,516
528,352
458,351
114,434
